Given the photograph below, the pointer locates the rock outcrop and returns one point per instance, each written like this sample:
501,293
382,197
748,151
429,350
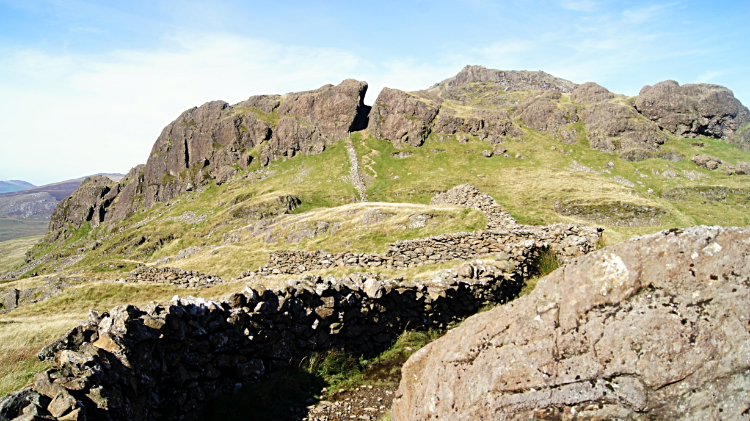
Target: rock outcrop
618,128
591,92
404,118
508,80
693,109
543,112
652,328
210,142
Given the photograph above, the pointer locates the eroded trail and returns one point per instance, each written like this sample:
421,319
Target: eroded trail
355,172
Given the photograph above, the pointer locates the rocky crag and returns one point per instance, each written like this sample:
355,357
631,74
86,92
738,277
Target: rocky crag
211,142
488,104
652,328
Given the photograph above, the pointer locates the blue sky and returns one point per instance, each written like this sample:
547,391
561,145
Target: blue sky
87,86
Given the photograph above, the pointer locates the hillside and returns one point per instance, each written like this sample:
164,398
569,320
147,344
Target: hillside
26,212
546,149
14,185
277,188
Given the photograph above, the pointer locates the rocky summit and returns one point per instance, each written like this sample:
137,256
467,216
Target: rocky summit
311,241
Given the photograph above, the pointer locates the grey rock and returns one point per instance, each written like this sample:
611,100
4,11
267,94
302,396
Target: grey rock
618,128
543,112
11,299
508,80
404,118
693,109
591,92
707,162
651,328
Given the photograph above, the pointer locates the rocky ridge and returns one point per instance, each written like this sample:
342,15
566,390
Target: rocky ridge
210,142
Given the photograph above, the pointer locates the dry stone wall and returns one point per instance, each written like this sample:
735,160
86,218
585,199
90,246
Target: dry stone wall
174,276
503,236
164,360
567,241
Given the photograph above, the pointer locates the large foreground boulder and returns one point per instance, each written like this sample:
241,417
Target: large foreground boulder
652,328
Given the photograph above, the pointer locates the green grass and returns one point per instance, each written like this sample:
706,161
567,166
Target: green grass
12,228
12,252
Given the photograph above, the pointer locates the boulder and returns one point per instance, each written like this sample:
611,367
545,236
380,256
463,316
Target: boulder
707,162
651,328
11,299
591,92
693,110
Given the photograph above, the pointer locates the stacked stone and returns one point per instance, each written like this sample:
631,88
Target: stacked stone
567,241
164,360
469,196
174,276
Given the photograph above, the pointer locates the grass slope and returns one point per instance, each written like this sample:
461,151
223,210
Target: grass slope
12,252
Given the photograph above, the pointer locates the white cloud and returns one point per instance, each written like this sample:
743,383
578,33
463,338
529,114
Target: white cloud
581,5
708,76
86,114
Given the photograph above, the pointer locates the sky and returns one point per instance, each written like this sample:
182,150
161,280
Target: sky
87,86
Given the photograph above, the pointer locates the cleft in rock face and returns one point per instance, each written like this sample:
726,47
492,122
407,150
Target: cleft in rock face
652,328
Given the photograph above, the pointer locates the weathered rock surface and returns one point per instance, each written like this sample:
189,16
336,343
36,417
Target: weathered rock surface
652,328
543,112
404,118
509,80
591,92
693,109
616,128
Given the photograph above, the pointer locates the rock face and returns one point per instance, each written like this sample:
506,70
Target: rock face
652,328
403,118
618,128
693,109
590,92
543,112
509,80
209,142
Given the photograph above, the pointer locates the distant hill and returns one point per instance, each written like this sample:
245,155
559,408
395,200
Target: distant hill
59,190
26,212
8,186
